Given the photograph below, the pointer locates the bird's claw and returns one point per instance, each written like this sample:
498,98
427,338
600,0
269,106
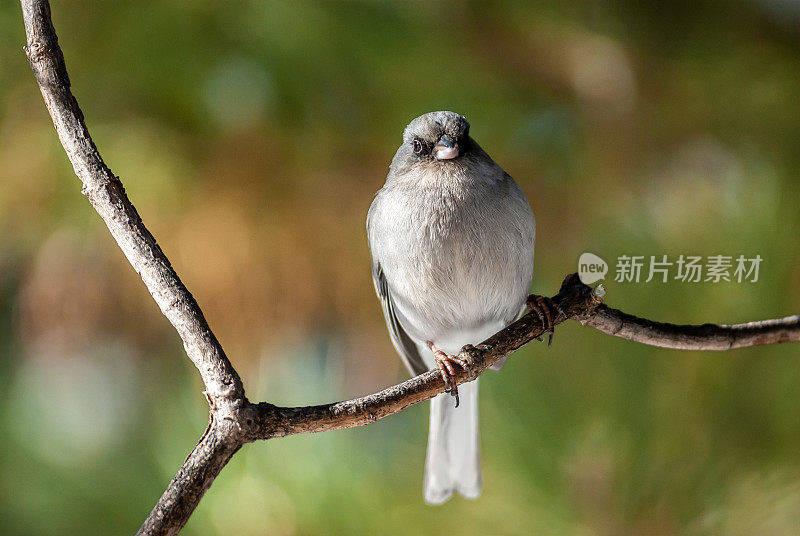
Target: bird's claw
546,309
446,365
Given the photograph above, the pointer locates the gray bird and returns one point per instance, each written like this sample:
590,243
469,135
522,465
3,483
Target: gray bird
451,238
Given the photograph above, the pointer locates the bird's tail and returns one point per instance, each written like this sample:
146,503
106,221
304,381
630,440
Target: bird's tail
453,462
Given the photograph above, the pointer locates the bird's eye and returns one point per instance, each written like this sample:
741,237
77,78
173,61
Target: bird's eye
417,147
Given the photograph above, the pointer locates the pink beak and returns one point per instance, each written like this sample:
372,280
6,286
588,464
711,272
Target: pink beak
442,152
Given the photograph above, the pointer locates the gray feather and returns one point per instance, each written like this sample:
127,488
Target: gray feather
400,339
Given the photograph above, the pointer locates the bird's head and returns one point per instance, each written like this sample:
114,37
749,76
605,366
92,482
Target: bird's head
437,137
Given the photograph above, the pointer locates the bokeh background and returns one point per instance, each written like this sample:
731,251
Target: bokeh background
251,137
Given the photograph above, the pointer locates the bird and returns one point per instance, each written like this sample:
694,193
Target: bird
451,239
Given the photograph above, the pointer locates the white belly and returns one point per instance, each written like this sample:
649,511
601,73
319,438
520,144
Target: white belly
457,272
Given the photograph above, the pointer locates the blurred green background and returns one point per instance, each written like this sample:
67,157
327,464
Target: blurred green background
251,137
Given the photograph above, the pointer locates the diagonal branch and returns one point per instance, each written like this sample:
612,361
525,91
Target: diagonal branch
107,196
575,299
579,302
234,421
105,192
211,454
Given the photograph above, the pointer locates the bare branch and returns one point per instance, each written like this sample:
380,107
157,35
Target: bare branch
574,298
233,419
579,302
107,196
687,337
211,454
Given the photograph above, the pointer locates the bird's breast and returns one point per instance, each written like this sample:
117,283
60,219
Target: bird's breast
455,261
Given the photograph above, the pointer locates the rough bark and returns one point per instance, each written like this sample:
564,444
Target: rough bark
234,421
214,450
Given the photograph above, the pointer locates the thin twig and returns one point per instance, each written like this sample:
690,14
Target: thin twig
693,337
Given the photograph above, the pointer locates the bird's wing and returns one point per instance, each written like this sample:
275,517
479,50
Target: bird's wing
404,345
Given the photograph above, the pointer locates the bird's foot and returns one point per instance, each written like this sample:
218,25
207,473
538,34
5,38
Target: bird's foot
547,310
446,364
